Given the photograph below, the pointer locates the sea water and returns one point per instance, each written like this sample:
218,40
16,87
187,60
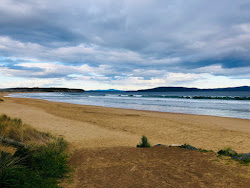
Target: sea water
224,104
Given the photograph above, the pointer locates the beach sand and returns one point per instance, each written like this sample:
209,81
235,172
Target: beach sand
102,144
92,126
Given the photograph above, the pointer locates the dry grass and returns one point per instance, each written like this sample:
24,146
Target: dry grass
16,130
154,167
8,149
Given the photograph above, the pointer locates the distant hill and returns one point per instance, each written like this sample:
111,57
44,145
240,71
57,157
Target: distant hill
242,88
37,89
185,89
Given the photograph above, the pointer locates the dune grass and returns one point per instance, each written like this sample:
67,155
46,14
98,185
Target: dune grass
40,166
16,130
1,100
43,163
7,161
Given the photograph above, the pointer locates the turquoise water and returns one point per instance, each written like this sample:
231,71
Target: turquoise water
224,104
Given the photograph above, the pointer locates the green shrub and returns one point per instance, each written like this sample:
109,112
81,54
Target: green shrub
49,160
23,177
41,166
241,157
246,160
189,147
1,100
227,152
144,142
8,161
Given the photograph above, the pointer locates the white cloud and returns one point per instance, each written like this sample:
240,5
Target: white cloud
147,43
11,83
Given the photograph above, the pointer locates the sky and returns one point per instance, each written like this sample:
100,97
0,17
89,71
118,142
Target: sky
124,44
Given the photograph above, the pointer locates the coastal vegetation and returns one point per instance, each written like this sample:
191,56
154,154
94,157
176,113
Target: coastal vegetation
227,152
41,162
13,128
1,100
241,157
189,147
144,142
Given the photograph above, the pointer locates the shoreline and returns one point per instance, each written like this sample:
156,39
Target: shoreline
121,108
96,126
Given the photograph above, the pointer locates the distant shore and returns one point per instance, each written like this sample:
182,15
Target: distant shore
37,89
92,126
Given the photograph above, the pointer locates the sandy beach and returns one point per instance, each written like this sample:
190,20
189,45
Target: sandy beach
92,126
102,144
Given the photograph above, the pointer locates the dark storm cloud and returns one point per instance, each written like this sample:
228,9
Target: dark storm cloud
35,21
148,35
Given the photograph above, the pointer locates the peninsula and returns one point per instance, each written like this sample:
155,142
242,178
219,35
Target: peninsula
37,89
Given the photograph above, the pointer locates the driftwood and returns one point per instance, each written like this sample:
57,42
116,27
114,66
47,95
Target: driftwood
12,142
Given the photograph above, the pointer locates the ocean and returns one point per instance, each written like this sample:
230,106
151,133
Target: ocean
223,104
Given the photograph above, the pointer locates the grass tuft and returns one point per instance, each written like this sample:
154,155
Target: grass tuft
16,130
144,142
37,166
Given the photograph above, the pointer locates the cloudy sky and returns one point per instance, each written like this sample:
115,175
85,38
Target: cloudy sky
124,44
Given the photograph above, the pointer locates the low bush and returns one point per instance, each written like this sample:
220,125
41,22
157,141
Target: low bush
8,161
40,166
50,160
227,152
144,142
189,147
42,163
245,159
23,177
242,157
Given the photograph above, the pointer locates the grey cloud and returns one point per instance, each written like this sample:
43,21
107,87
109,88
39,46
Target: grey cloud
128,35
29,72
22,68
